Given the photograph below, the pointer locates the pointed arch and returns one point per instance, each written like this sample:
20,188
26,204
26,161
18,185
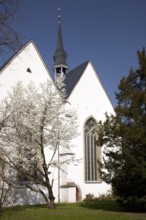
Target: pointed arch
92,151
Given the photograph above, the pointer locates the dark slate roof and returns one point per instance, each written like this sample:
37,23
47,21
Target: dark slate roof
73,77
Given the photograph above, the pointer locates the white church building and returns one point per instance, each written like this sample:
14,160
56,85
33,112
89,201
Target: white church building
86,94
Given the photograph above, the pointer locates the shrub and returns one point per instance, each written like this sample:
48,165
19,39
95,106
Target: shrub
91,197
133,203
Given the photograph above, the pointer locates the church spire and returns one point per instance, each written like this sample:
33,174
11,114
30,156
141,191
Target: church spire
60,54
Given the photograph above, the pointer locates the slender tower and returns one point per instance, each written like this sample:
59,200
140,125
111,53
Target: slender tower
60,54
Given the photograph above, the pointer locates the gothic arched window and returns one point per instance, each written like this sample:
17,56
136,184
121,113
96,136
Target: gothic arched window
92,151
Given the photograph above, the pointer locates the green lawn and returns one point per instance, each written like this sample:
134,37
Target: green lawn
101,210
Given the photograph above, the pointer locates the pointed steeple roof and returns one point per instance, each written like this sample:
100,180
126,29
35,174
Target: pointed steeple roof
60,54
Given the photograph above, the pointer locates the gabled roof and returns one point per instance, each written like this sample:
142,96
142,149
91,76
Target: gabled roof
14,55
73,77
18,52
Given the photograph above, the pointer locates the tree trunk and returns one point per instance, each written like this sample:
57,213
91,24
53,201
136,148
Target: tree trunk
50,198
1,209
51,203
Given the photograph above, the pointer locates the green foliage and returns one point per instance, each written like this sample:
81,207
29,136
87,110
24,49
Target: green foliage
89,197
101,197
124,163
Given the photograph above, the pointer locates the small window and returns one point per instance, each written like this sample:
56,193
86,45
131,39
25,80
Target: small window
29,70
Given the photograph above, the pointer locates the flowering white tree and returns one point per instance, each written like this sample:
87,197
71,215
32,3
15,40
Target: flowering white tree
36,120
6,189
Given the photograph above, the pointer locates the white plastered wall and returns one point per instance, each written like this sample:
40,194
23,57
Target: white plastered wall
90,100
27,59
17,70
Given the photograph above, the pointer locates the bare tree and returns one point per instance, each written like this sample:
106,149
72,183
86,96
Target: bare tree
9,38
41,124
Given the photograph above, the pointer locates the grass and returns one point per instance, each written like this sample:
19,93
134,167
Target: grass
101,210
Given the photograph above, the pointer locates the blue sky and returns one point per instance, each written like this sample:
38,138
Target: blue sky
108,32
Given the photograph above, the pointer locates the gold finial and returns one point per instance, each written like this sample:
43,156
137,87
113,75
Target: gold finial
59,17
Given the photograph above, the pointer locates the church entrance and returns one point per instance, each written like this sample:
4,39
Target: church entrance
78,194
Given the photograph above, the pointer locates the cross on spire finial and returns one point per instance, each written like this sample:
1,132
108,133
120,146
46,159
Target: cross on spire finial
59,17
